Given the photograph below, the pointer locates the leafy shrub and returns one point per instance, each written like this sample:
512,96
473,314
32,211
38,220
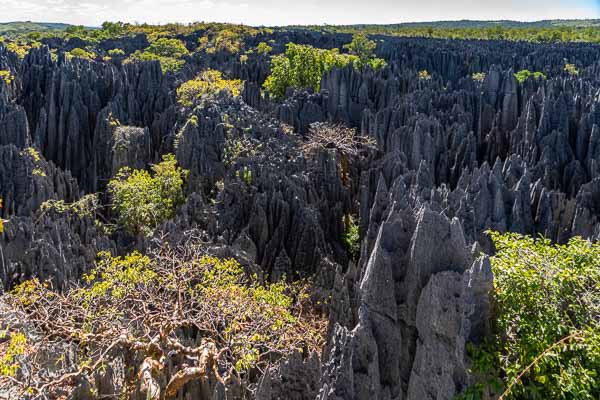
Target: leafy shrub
81,53
208,83
479,76
116,52
203,43
20,49
263,48
224,40
352,237
245,174
32,153
547,301
225,37
84,207
6,76
166,63
228,40
170,309
524,74
38,172
143,201
165,47
16,348
169,52
424,75
571,69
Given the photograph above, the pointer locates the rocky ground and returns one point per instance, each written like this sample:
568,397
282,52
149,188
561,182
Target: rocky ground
455,157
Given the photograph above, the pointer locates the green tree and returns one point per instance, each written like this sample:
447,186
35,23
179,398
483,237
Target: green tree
165,47
229,41
263,48
352,237
364,49
113,29
76,31
143,201
303,67
361,47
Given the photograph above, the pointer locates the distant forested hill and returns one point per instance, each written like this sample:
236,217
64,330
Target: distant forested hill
12,28
545,31
471,24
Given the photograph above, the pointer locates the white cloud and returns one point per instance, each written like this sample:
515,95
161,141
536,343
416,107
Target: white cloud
283,12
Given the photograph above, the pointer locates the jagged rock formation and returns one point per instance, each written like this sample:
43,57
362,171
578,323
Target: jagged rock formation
27,180
456,156
51,245
68,102
417,309
284,210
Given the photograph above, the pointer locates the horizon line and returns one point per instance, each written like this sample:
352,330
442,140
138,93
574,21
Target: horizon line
321,24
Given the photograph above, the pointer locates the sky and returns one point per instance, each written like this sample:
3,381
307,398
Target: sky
285,12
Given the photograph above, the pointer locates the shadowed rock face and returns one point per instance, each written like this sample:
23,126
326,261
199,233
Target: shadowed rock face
455,158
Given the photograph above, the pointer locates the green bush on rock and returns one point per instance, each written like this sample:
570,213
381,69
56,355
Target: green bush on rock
169,52
154,311
303,66
143,201
81,53
208,83
524,74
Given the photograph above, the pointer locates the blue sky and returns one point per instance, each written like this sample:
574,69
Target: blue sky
284,12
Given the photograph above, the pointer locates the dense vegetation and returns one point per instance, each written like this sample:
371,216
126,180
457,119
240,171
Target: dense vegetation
208,83
490,31
230,38
525,74
547,301
169,52
141,310
143,201
19,28
6,76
